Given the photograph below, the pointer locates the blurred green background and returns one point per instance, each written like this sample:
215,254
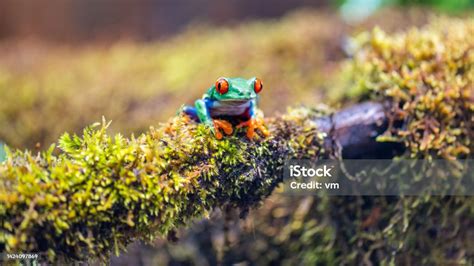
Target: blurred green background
64,64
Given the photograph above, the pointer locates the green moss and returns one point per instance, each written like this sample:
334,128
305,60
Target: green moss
102,192
427,76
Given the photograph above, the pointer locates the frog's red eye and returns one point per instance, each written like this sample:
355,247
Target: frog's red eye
257,85
222,85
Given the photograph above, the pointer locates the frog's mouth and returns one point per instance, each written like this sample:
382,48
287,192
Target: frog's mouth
230,107
234,102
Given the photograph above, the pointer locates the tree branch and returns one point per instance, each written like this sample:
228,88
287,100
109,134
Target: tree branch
103,192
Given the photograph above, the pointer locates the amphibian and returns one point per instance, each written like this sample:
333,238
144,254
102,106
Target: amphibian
229,99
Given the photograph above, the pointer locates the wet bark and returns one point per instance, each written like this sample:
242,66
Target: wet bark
352,132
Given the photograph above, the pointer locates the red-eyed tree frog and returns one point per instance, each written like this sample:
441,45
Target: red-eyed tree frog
229,100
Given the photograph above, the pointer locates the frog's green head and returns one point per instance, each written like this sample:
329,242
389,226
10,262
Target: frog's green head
235,89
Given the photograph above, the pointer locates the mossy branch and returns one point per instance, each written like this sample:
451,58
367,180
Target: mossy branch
102,192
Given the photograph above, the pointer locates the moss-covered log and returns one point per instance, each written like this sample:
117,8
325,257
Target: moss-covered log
102,192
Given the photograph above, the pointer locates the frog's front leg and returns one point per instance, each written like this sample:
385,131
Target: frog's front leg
202,110
190,111
254,123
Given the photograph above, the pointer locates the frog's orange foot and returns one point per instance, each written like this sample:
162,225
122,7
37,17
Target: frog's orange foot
252,125
224,125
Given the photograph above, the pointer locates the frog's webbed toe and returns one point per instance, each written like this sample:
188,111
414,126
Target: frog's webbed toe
224,125
252,125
